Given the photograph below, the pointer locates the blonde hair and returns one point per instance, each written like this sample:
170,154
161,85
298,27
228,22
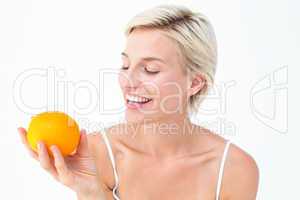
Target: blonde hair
194,35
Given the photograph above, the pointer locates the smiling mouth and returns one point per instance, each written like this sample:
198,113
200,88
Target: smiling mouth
137,102
136,99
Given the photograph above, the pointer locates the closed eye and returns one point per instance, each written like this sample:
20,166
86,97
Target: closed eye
151,72
124,67
145,68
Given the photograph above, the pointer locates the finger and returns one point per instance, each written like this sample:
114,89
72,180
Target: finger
44,159
82,131
82,148
95,146
64,173
22,132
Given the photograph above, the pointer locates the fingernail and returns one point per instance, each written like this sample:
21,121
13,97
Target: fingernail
52,148
39,145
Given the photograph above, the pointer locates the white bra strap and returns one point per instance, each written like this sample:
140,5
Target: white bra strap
222,169
111,156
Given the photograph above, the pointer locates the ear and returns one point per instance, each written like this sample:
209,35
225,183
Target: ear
198,82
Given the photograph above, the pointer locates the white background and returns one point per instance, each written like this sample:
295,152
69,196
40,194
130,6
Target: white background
258,61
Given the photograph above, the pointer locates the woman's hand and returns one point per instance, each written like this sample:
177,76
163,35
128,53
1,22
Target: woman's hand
77,171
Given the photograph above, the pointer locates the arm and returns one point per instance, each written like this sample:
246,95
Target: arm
79,197
100,195
107,195
105,176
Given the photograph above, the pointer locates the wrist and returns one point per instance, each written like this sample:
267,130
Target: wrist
82,197
89,196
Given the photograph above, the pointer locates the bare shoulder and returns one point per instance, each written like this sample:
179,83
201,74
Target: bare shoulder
112,133
99,151
241,175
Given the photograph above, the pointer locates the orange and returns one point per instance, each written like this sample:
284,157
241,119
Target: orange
54,128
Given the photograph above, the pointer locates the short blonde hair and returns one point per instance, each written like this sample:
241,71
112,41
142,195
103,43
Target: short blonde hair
194,35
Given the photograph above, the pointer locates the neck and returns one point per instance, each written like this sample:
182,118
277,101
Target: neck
166,138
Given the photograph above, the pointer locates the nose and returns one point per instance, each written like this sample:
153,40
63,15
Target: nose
129,79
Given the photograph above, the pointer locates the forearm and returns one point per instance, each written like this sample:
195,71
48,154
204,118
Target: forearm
90,197
83,197
94,193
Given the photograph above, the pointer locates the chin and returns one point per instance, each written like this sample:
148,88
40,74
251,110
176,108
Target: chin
139,117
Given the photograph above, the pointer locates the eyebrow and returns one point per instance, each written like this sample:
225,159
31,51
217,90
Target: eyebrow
147,58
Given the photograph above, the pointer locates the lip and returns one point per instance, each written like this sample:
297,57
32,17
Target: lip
137,105
137,95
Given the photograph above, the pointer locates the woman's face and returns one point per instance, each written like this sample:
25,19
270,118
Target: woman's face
151,68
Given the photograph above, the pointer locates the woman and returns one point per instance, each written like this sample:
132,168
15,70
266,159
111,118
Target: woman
169,64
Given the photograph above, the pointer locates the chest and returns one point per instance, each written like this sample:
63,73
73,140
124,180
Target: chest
189,178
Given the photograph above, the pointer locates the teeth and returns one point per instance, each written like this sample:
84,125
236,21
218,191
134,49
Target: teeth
136,98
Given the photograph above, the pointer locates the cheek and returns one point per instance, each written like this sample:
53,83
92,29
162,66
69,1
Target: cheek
123,80
172,95
172,89
170,85
173,85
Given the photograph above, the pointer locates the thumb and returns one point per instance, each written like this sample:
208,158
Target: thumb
82,148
